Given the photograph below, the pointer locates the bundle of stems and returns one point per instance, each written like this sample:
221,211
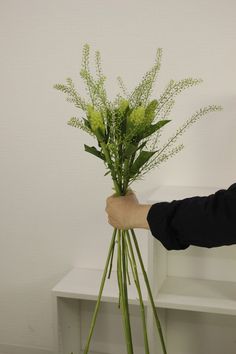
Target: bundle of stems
122,129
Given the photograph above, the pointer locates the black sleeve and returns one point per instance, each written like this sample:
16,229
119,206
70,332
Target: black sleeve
208,221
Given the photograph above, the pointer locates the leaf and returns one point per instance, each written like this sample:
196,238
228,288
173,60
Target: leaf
123,125
143,157
87,123
94,151
142,145
132,148
153,128
107,172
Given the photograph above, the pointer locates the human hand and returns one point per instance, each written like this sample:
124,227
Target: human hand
125,212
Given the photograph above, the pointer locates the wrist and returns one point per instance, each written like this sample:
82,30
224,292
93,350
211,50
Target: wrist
140,216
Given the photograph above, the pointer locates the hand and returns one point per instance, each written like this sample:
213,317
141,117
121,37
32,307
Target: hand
125,212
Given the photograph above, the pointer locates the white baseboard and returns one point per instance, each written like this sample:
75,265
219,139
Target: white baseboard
15,349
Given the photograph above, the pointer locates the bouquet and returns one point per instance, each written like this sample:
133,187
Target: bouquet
126,131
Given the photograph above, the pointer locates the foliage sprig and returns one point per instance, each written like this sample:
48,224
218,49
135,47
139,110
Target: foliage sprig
132,123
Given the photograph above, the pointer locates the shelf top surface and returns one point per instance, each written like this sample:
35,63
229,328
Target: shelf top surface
171,192
181,293
84,283
198,295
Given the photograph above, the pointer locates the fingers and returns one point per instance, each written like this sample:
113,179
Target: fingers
111,197
112,222
129,191
108,201
107,209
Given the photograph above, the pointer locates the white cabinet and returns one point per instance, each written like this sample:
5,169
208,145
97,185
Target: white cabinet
74,299
194,291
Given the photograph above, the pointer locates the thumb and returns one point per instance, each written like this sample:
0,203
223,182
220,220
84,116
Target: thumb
129,192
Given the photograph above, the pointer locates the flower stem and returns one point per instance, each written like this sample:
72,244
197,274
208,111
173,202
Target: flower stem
110,165
112,253
119,300
100,294
126,260
158,324
136,280
125,281
125,319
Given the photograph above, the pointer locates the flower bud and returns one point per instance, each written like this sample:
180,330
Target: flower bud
123,104
137,116
150,111
95,119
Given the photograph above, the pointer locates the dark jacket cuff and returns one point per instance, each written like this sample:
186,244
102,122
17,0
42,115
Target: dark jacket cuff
159,219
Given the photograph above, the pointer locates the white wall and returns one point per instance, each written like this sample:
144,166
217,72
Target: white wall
52,192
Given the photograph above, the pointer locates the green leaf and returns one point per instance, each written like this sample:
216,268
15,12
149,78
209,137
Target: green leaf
153,128
94,151
87,124
123,125
131,148
143,157
107,172
142,145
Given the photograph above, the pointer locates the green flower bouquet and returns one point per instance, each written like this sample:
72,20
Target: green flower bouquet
127,132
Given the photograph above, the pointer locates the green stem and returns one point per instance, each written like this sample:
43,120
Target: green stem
112,253
136,280
125,284
99,295
118,270
122,300
126,169
119,167
110,165
130,260
158,324
126,261
119,300
128,165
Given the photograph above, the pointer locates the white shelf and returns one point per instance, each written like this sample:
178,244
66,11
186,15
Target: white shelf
193,294
73,309
83,283
192,280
